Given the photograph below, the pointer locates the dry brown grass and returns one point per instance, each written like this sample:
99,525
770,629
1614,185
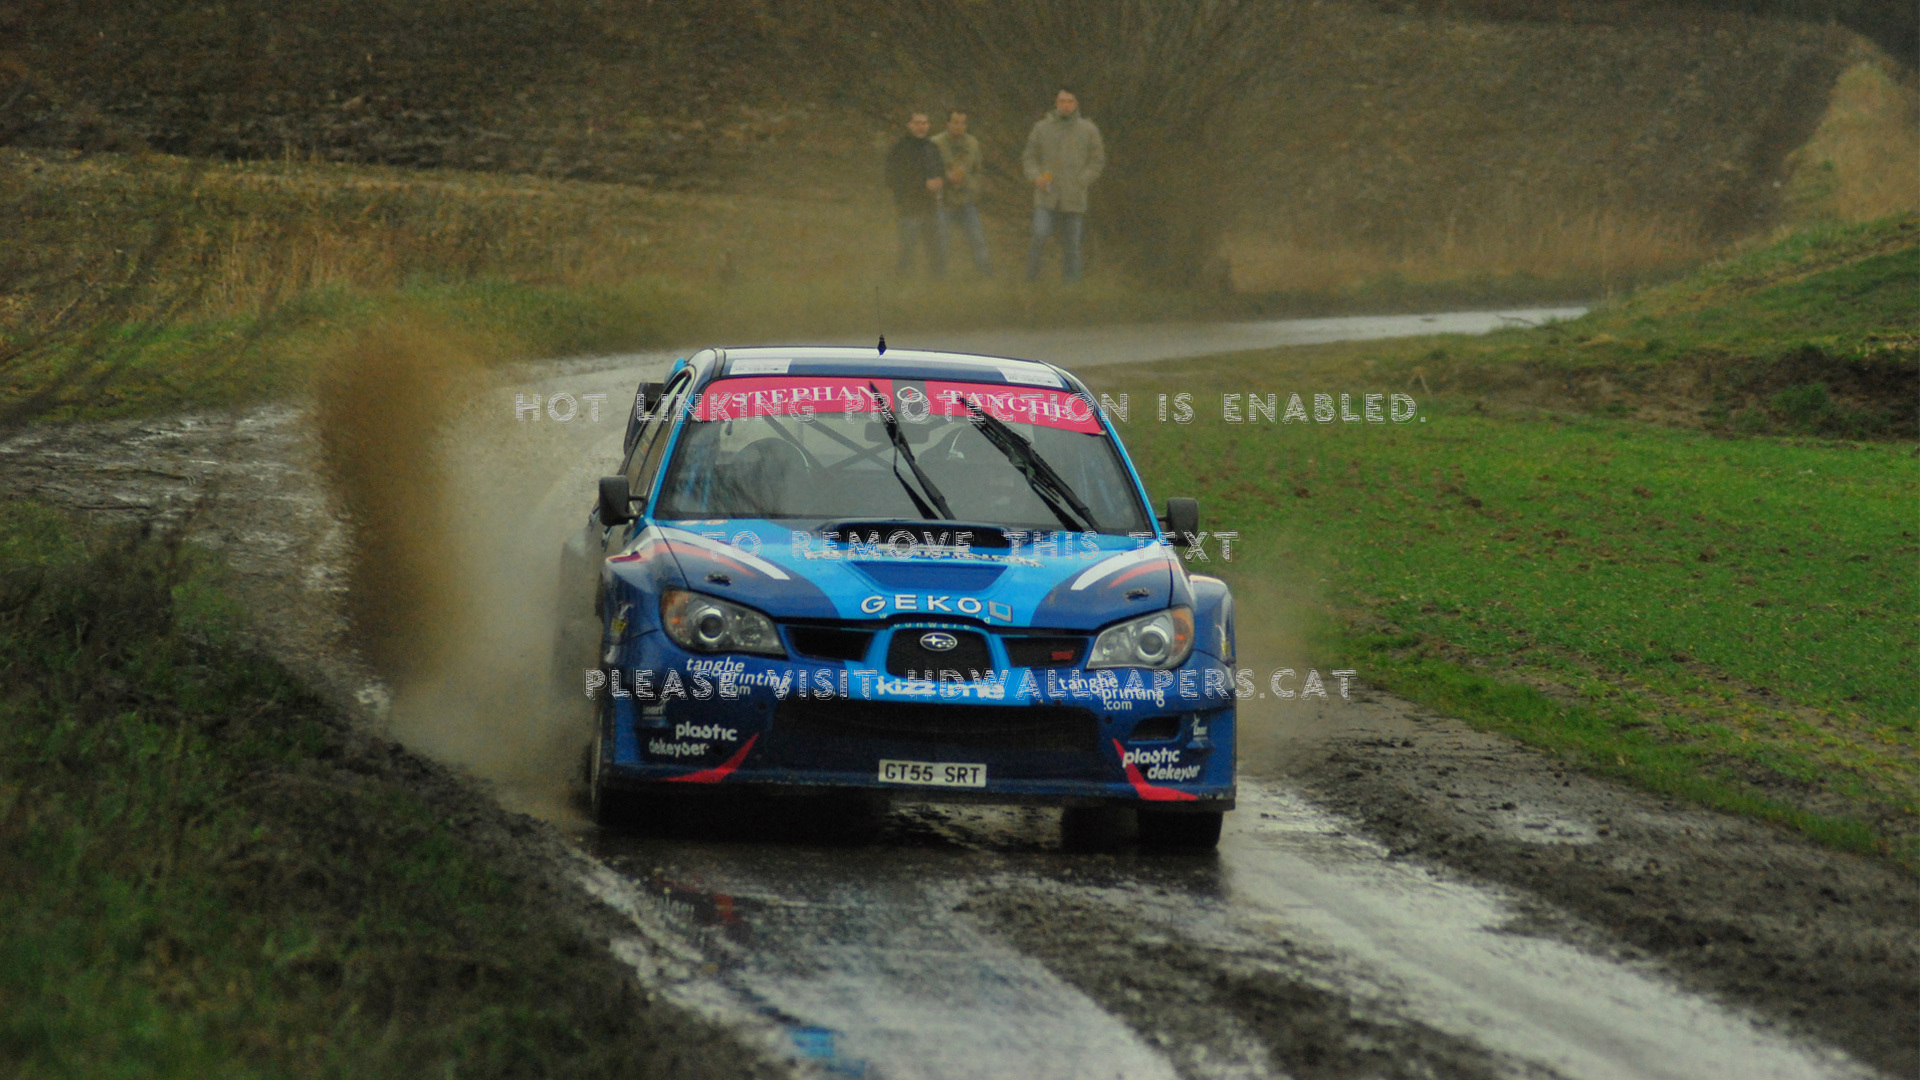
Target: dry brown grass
376,229
271,264
1600,250
1863,161
263,229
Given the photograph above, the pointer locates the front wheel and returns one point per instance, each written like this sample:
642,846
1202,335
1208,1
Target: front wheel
613,808
1191,831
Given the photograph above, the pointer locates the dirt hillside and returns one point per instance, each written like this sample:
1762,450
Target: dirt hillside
1387,126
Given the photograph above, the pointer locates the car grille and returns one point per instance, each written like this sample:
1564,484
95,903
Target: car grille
828,643
908,658
988,727
1044,652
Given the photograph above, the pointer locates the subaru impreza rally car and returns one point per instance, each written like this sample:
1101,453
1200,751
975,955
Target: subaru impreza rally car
923,573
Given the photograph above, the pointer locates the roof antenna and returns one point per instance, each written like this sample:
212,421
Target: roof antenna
880,316
883,344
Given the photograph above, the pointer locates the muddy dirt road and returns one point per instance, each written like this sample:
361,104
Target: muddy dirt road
1397,896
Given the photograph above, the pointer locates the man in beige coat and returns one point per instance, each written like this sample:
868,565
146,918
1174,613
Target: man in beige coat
1064,157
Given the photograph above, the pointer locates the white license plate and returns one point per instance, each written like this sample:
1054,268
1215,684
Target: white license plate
933,774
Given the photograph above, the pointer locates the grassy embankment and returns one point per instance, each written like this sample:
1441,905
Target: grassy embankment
1729,619
203,874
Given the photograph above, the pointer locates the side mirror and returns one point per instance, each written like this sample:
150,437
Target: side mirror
616,501
1183,518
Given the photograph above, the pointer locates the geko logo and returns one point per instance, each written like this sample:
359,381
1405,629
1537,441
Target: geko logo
947,605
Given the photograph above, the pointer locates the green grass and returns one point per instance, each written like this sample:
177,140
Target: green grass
1734,617
200,877
1732,620
1829,318
1850,291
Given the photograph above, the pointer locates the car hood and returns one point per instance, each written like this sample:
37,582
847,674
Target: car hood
1073,582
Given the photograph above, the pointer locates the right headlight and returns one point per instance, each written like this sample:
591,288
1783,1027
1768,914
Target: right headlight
1161,640
708,624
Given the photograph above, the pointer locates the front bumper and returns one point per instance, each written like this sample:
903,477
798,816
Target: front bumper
1044,736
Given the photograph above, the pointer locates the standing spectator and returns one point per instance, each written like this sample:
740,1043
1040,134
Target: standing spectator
915,175
1064,157
961,154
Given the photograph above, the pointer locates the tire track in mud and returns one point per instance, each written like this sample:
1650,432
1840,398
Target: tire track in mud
1301,949
1226,1012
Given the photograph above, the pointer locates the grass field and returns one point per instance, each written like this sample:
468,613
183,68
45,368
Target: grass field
1817,333
1732,619
202,874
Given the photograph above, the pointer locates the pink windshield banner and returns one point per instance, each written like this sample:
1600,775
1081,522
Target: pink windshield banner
785,395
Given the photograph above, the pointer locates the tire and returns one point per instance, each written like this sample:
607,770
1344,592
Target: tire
1092,829
617,810
607,807
1173,831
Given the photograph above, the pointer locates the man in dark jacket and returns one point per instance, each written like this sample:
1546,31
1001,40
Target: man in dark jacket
915,175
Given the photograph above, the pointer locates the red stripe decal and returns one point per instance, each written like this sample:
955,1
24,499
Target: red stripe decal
1151,566
720,772
1149,792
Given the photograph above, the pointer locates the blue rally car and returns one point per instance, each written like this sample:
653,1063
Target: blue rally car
930,574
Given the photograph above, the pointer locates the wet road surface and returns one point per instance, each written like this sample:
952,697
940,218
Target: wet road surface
1096,346
965,942
932,941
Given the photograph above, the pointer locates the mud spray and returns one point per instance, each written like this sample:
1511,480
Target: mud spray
1276,613
452,578
458,514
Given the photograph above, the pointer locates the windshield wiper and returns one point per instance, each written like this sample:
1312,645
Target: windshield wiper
1041,477
901,450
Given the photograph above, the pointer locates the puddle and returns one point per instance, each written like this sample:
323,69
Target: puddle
858,972
1439,945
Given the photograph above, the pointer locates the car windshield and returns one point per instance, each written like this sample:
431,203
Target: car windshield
993,454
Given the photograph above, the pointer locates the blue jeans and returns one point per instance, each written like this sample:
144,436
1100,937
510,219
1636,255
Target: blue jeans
918,230
967,217
1044,223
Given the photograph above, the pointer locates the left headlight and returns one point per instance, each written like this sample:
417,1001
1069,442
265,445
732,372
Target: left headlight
707,624
1161,640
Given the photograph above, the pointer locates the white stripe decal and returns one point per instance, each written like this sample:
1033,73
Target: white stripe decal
648,535
1109,567
725,550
